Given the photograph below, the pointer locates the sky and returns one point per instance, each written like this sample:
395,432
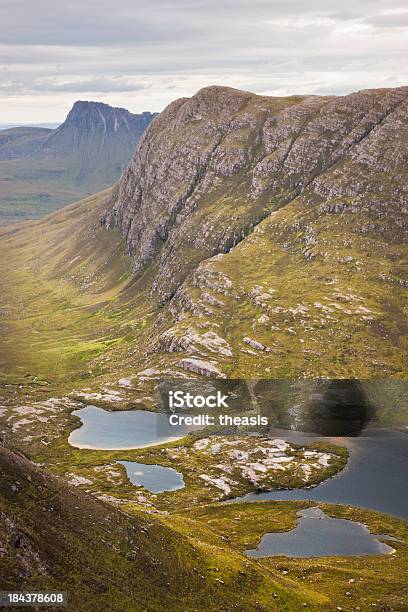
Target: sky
142,55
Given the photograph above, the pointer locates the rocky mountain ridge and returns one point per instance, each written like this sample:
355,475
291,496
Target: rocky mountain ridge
42,169
264,150
96,140
88,118
233,199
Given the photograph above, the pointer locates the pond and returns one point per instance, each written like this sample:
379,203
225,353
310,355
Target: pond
319,535
123,429
154,478
375,477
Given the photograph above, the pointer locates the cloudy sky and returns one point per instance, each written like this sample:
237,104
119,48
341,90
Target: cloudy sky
142,55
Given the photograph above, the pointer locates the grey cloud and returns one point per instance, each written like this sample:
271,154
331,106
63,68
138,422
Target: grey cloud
146,53
100,22
389,20
88,85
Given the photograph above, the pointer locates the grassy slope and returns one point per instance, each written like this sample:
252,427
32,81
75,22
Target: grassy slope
57,538
32,188
351,326
72,317
53,322
377,581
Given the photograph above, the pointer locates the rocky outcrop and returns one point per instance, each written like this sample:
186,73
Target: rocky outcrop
254,213
213,166
95,141
255,344
204,368
190,341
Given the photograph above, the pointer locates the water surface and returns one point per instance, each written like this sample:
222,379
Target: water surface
375,477
123,429
154,478
319,535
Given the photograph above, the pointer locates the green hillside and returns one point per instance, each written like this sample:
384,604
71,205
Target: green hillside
250,238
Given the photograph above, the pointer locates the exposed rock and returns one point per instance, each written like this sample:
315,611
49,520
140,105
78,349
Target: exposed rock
206,297
111,396
125,382
255,344
77,480
222,482
248,208
198,366
193,342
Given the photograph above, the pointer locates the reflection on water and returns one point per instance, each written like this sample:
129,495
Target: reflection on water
319,535
122,429
154,478
375,476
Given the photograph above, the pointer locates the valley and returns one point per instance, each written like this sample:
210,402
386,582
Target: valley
251,240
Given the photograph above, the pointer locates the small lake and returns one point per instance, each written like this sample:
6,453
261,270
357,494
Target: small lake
154,478
123,429
319,535
375,476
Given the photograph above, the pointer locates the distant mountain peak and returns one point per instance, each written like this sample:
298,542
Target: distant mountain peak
98,115
44,169
95,142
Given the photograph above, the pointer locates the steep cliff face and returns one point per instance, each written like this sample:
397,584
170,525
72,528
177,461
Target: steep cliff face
275,228
95,141
213,166
41,170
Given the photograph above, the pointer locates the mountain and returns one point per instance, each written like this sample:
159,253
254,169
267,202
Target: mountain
50,126
249,237
21,141
95,143
47,169
275,230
